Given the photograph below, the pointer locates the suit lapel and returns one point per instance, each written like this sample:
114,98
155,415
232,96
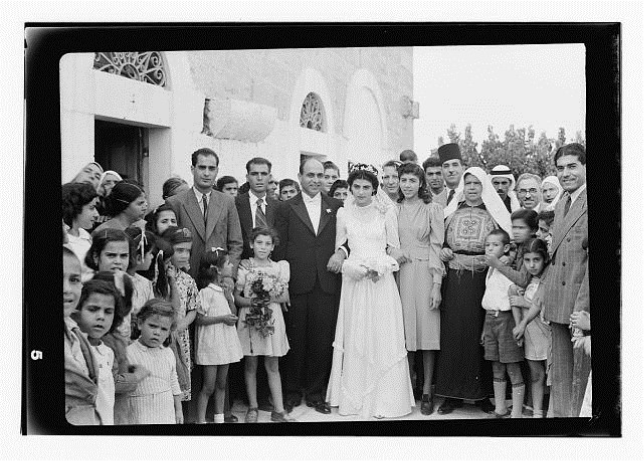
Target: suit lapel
577,209
300,210
324,216
270,211
245,217
215,209
195,213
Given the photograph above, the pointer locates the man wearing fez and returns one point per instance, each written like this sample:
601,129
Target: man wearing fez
504,184
452,165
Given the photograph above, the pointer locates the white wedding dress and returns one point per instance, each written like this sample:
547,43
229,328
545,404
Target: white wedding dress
370,372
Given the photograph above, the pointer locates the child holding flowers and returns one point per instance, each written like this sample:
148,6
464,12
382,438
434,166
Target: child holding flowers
262,285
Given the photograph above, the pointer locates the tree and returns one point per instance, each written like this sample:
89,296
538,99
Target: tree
453,135
441,141
471,157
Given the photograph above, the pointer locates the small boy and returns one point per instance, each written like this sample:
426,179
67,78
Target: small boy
497,339
95,315
546,218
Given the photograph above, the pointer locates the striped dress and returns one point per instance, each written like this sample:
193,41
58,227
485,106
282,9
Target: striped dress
152,402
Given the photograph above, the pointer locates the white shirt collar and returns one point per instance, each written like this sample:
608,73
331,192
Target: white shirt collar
254,198
317,198
199,195
577,193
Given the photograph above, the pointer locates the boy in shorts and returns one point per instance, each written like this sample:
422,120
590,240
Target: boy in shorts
497,339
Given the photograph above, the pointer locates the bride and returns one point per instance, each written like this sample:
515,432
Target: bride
370,372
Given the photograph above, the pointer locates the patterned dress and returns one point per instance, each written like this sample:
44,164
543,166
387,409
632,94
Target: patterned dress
189,296
460,364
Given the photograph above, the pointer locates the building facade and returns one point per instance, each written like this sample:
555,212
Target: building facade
142,114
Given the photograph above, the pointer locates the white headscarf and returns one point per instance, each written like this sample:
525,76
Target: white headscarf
493,203
514,201
555,182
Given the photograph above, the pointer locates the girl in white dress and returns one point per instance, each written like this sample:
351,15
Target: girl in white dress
370,372
271,342
216,342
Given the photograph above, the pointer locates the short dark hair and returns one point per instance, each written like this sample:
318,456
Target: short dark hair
433,162
170,185
364,174
152,217
75,197
391,163
505,237
125,307
123,193
224,180
329,165
575,149
158,307
536,245
289,182
408,155
205,152
338,184
267,231
423,189
547,216
101,239
258,161
210,265
104,287
530,217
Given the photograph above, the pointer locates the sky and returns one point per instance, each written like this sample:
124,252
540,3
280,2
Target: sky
498,85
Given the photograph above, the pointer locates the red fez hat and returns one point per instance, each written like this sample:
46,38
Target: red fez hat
448,152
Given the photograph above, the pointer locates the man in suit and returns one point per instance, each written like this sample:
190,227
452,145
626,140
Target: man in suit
452,166
255,208
209,214
307,226
566,282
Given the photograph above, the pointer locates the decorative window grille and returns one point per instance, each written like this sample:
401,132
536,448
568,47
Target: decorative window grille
147,67
312,113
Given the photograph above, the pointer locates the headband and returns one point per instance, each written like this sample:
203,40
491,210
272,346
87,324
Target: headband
364,167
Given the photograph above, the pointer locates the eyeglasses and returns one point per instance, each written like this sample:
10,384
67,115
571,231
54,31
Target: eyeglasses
532,191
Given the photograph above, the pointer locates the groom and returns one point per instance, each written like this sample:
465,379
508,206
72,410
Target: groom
306,226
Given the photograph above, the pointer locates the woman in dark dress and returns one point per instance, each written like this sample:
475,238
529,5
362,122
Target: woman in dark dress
468,220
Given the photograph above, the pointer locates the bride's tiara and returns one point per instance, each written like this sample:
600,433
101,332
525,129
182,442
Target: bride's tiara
364,166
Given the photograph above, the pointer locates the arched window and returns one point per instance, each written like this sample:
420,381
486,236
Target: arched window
312,113
147,67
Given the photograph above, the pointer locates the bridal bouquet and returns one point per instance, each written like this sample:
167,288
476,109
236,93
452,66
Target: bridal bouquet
263,287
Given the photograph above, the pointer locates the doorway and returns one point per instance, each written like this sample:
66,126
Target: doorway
124,149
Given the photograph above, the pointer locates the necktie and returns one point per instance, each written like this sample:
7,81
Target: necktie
205,208
260,217
450,196
567,205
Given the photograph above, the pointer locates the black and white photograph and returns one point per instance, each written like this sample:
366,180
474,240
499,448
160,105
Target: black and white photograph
323,229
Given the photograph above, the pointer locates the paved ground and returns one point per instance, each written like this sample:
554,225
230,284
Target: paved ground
307,414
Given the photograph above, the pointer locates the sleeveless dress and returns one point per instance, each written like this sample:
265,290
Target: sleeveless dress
370,372
252,341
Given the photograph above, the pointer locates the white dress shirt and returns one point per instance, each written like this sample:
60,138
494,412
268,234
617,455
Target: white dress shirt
199,196
314,208
577,193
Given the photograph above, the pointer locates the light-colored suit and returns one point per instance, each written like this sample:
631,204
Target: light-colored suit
222,229
566,290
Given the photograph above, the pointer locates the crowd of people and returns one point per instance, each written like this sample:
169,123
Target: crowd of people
423,285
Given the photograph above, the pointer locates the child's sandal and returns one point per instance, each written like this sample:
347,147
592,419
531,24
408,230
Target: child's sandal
251,415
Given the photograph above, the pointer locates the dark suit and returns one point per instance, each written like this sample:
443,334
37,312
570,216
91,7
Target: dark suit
222,230
566,290
314,292
242,203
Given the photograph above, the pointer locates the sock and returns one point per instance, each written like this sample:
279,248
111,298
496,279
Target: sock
517,400
537,413
219,418
499,397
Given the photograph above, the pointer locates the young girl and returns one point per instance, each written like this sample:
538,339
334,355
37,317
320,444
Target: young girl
158,220
254,343
96,315
188,303
127,204
79,214
145,245
216,340
532,330
80,367
157,399
113,251
546,218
